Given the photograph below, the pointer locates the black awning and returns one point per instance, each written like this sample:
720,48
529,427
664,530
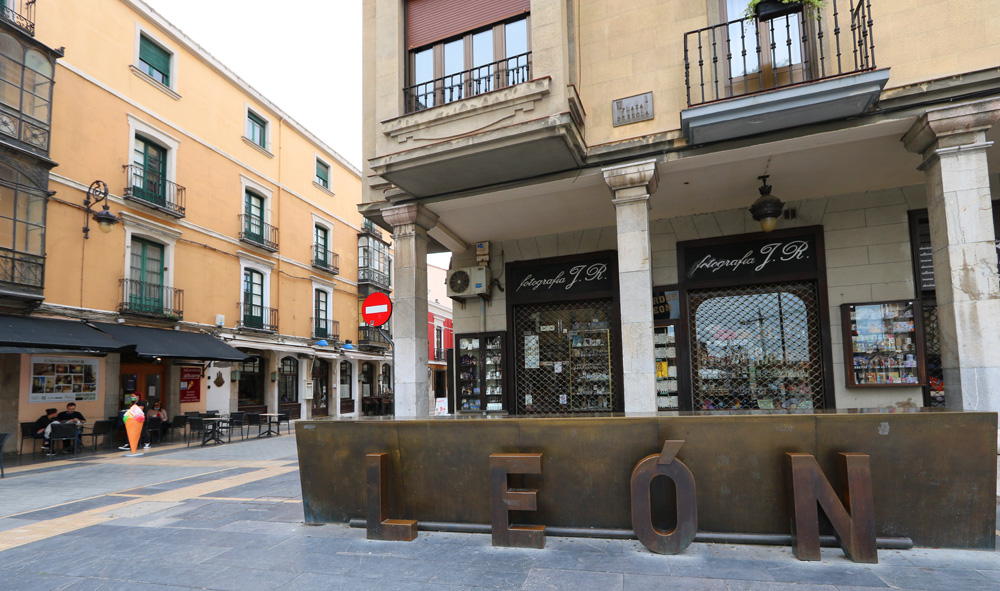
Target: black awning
172,344
49,333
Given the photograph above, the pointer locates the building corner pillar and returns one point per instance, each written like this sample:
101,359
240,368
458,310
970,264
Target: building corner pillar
410,224
631,185
952,142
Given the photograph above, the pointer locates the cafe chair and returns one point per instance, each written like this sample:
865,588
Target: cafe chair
178,424
235,421
26,434
3,441
62,432
288,424
153,428
102,427
192,413
195,425
251,419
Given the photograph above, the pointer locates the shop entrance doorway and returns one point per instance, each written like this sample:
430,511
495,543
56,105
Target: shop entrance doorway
146,380
321,388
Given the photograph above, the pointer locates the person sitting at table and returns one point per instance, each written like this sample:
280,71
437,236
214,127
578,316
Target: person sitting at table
38,429
157,412
71,415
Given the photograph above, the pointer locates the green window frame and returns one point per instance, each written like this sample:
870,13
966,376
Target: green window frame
321,308
253,226
146,272
322,174
154,60
257,129
253,298
322,244
150,173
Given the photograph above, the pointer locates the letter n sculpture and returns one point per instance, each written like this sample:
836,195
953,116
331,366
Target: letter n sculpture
664,464
379,526
504,500
856,529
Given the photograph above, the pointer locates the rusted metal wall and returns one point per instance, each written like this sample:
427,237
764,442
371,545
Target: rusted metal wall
934,473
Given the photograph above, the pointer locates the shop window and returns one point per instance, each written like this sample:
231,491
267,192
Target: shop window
321,388
462,49
288,380
756,347
251,386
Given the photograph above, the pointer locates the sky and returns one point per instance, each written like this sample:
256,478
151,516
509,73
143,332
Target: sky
304,56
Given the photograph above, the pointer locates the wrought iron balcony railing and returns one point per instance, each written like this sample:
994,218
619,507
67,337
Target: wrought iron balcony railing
255,231
370,275
151,188
326,260
21,269
370,335
151,299
24,20
439,354
258,317
479,80
326,329
749,56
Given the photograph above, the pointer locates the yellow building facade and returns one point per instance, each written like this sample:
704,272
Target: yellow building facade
236,224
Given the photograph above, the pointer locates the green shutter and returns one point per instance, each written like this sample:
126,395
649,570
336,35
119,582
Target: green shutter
322,174
155,56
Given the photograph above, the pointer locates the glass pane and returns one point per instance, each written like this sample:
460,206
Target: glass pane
786,40
37,62
454,64
742,39
136,270
10,70
423,66
516,37
10,47
36,106
6,233
10,94
482,56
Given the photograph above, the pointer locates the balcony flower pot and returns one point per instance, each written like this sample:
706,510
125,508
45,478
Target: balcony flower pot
765,10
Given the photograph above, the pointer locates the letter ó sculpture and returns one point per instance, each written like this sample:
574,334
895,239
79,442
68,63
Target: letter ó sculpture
664,464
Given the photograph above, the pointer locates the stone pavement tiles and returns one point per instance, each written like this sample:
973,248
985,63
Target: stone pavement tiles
230,517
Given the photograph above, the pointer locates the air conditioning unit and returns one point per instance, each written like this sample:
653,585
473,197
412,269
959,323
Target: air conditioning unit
468,282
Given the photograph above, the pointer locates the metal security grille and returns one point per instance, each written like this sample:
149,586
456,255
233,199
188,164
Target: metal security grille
932,352
756,347
562,357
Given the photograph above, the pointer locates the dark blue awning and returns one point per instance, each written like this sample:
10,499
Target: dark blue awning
24,334
171,344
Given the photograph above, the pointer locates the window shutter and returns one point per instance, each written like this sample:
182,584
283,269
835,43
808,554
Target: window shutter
428,21
154,55
323,172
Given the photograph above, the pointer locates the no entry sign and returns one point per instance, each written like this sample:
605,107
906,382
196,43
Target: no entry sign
376,309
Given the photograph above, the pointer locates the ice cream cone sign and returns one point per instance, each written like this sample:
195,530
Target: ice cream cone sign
134,418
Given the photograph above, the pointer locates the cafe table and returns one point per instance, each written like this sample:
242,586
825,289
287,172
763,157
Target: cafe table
212,431
272,419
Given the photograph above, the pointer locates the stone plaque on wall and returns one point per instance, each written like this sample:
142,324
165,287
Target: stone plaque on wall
632,109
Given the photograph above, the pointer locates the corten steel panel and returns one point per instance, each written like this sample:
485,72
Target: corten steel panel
740,468
446,467
586,468
332,467
934,480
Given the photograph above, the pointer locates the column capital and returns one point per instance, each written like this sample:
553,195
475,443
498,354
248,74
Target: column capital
409,217
952,126
634,179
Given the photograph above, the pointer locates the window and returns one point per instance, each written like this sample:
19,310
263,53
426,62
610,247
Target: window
346,380
321,314
149,174
154,60
253,223
251,388
322,174
374,261
288,380
26,89
144,291
253,299
469,63
22,231
256,129
321,252
781,34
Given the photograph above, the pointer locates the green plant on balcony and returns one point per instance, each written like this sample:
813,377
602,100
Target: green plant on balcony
767,9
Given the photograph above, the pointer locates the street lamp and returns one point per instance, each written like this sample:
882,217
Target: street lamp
767,207
106,220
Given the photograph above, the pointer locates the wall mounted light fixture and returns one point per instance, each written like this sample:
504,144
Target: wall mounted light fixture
97,193
767,207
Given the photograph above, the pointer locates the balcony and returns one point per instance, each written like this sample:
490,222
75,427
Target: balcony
255,231
369,336
326,329
377,278
153,300
478,80
254,317
439,354
151,189
751,76
368,227
326,260
21,275
24,20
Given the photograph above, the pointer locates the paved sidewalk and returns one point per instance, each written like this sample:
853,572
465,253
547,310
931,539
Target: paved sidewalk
230,517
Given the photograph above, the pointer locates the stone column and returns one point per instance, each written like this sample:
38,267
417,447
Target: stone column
410,224
952,141
632,184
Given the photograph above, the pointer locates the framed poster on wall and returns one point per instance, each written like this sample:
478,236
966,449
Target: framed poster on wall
62,379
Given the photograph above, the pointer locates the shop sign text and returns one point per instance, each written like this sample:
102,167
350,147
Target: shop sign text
750,259
561,279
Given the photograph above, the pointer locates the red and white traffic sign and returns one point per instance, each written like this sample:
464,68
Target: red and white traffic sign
376,309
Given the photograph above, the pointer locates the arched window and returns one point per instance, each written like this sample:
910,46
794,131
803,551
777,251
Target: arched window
386,378
288,380
321,387
367,379
251,382
11,60
37,91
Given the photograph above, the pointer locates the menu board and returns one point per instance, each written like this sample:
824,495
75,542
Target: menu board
62,379
190,384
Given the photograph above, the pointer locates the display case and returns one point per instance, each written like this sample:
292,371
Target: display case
479,364
883,344
665,351
589,369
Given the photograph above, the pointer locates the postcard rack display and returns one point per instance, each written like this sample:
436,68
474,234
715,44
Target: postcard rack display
665,350
479,373
590,368
882,344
